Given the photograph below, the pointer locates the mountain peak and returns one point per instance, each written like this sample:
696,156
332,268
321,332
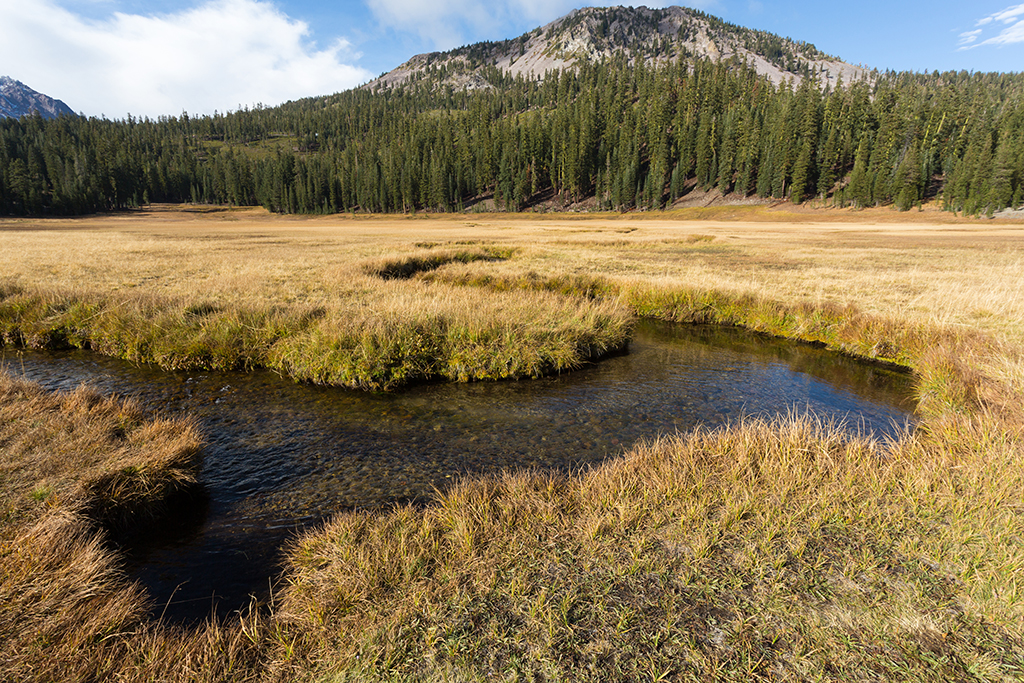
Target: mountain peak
652,36
17,100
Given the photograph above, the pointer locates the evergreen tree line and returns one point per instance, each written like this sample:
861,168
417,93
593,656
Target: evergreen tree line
633,136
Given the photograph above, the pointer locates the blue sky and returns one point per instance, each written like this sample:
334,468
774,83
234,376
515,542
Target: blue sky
151,58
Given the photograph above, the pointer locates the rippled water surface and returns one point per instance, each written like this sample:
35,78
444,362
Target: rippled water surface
282,456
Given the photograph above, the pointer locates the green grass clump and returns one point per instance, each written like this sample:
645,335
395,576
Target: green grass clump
481,338
171,335
174,334
413,332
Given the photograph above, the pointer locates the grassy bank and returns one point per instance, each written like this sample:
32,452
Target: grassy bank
784,550
79,472
942,357
771,551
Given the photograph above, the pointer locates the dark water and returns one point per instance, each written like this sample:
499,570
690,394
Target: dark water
283,456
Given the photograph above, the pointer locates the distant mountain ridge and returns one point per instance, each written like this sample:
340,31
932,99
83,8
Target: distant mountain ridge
653,36
17,100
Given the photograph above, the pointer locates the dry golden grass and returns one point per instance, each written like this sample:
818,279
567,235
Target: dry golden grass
785,550
84,452
76,471
963,274
326,309
779,551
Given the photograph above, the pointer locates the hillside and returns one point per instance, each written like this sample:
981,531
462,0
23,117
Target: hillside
17,100
635,121
650,36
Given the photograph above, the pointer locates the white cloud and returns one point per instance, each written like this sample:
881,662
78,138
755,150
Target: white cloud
1008,36
1013,33
447,23
1009,14
444,23
218,55
969,37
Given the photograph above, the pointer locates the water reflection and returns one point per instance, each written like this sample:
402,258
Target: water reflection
282,456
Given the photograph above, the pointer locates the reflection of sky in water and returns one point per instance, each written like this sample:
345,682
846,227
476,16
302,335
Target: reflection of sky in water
281,456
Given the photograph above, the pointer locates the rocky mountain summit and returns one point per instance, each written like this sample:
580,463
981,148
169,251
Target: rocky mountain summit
652,36
17,100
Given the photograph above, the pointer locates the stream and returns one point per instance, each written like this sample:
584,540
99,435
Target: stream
282,456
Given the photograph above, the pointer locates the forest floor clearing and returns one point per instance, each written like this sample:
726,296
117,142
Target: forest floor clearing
783,550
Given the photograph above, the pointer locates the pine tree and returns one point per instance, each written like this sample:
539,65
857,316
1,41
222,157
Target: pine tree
860,182
909,181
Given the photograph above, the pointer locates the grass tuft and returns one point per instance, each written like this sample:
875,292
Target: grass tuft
411,336
454,335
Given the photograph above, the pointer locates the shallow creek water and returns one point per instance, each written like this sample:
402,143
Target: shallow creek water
282,456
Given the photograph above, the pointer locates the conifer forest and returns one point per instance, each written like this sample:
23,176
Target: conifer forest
628,135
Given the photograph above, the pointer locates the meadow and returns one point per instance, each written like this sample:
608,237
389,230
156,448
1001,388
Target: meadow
772,550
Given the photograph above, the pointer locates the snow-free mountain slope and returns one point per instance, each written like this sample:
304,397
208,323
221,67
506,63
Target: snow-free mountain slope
641,34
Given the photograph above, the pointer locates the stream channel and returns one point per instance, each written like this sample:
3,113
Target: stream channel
281,456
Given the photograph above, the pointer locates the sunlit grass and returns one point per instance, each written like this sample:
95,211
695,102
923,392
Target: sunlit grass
78,472
768,550
395,334
783,549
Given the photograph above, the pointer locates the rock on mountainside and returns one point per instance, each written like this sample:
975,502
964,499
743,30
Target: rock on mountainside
648,35
17,100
